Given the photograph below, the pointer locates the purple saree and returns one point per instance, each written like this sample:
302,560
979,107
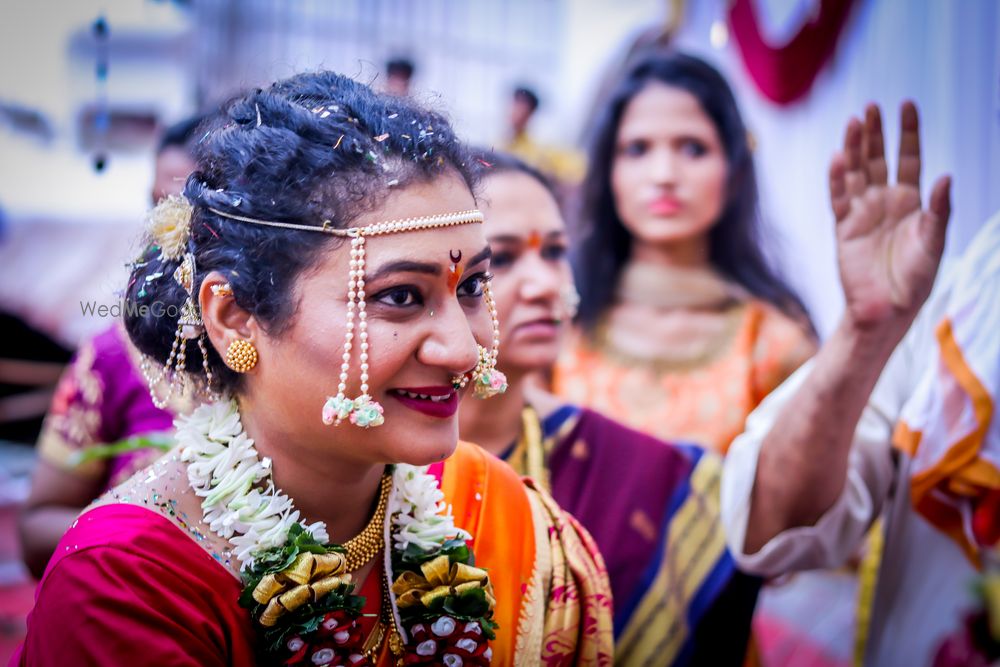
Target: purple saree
653,509
101,399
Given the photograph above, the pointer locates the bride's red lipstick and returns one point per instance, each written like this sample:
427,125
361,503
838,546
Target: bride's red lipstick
440,401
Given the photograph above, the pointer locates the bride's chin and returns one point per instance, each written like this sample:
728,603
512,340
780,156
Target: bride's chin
416,455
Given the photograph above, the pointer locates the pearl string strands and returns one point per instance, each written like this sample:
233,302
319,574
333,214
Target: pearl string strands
486,365
364,411
376,229
495,321
189,326
156,380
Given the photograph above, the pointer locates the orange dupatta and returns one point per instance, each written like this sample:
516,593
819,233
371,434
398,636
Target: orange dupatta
552,590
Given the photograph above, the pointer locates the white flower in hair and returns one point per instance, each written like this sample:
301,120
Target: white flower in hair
419,514
169,226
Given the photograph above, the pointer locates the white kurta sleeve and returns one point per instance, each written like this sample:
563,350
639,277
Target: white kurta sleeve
870,472
871,469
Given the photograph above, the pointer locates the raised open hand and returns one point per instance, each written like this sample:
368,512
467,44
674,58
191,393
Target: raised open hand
888,248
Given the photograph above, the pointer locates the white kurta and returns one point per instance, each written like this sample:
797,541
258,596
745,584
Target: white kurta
923,580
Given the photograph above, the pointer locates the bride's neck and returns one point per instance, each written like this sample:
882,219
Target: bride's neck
323,486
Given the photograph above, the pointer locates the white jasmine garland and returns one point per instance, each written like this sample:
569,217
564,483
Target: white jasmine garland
419,516
419,513
225,470
242,505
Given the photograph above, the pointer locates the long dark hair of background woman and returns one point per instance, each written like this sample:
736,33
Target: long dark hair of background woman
734,243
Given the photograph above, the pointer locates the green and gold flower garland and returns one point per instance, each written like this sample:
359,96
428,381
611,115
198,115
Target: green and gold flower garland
437,606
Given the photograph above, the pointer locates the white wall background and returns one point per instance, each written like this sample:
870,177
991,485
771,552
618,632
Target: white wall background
943,55
469,54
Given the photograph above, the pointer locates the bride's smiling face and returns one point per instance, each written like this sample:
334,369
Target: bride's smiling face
425,314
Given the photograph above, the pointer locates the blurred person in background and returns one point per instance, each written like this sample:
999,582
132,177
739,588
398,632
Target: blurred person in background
685,326
399,76
562,163
174,158
523,105
102,425
651,506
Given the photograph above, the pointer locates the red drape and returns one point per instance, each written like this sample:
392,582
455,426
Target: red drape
786,73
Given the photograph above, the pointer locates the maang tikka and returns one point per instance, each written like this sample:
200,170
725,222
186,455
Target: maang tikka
363,411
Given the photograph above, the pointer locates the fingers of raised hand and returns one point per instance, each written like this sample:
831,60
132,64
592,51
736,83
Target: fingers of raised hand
940,204
935,223
855,175
908,172
840,201
873,144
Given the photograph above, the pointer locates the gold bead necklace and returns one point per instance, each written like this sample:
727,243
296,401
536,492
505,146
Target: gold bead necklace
366,544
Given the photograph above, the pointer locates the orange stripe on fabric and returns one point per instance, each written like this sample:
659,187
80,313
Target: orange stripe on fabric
961,457
906,439
489,500
982,474
966,450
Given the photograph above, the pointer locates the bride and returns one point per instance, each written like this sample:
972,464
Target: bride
324,280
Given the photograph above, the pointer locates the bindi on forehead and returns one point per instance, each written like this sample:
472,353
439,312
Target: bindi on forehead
455,268
535,238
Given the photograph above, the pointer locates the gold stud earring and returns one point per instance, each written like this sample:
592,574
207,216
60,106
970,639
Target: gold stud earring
241,356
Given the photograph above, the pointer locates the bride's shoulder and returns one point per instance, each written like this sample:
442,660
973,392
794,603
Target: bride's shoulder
156,510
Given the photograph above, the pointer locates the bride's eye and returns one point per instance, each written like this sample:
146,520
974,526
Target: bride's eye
400,297
473,286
